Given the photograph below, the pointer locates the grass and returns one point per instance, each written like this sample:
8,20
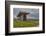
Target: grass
31,23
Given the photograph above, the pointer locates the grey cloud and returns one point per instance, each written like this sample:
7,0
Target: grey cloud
34,13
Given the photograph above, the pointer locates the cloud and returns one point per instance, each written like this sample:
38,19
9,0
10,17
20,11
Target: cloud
34,13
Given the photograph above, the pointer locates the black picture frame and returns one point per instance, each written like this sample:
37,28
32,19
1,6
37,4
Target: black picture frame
7,13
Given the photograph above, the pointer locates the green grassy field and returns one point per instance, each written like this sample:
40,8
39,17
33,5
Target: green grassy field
31,23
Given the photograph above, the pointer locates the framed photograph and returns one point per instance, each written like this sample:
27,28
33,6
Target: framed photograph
24,17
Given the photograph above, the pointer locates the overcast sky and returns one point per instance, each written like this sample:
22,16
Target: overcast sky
33,13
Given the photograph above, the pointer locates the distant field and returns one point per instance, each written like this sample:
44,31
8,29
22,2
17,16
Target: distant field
31,23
